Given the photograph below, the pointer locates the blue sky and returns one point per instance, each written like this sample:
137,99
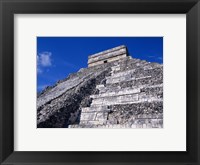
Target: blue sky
57,57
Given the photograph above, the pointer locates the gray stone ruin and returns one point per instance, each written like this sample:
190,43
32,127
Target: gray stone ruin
106,56
115,91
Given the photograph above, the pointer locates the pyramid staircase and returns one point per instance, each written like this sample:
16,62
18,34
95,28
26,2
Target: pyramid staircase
130,97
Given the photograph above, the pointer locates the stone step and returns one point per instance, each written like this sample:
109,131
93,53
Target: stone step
133,75
134,83
138,72
94,109
118,88
125,99
132,65
94,116
143,93
149,116
115,100
109,80
126,78
125,91
146,123
137,65
94,122
155,107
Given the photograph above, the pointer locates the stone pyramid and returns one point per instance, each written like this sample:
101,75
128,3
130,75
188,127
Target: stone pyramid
115,91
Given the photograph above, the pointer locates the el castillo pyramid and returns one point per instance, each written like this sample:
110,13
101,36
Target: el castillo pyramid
114,91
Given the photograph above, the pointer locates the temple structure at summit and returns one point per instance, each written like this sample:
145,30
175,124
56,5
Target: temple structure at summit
107,56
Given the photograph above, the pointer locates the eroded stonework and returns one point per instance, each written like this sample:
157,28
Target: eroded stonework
107,56
125,93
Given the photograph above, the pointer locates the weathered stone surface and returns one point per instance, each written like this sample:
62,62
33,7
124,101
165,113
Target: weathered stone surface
110,55
88,116
126,93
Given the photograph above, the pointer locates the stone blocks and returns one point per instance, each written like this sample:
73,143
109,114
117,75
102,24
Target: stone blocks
107,56
136,104
122,93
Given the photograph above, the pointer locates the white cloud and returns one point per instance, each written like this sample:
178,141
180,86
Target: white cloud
43,60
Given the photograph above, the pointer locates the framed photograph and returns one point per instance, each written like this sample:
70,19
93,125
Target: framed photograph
104,82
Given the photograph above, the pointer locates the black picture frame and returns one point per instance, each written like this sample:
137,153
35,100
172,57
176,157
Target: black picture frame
10,7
